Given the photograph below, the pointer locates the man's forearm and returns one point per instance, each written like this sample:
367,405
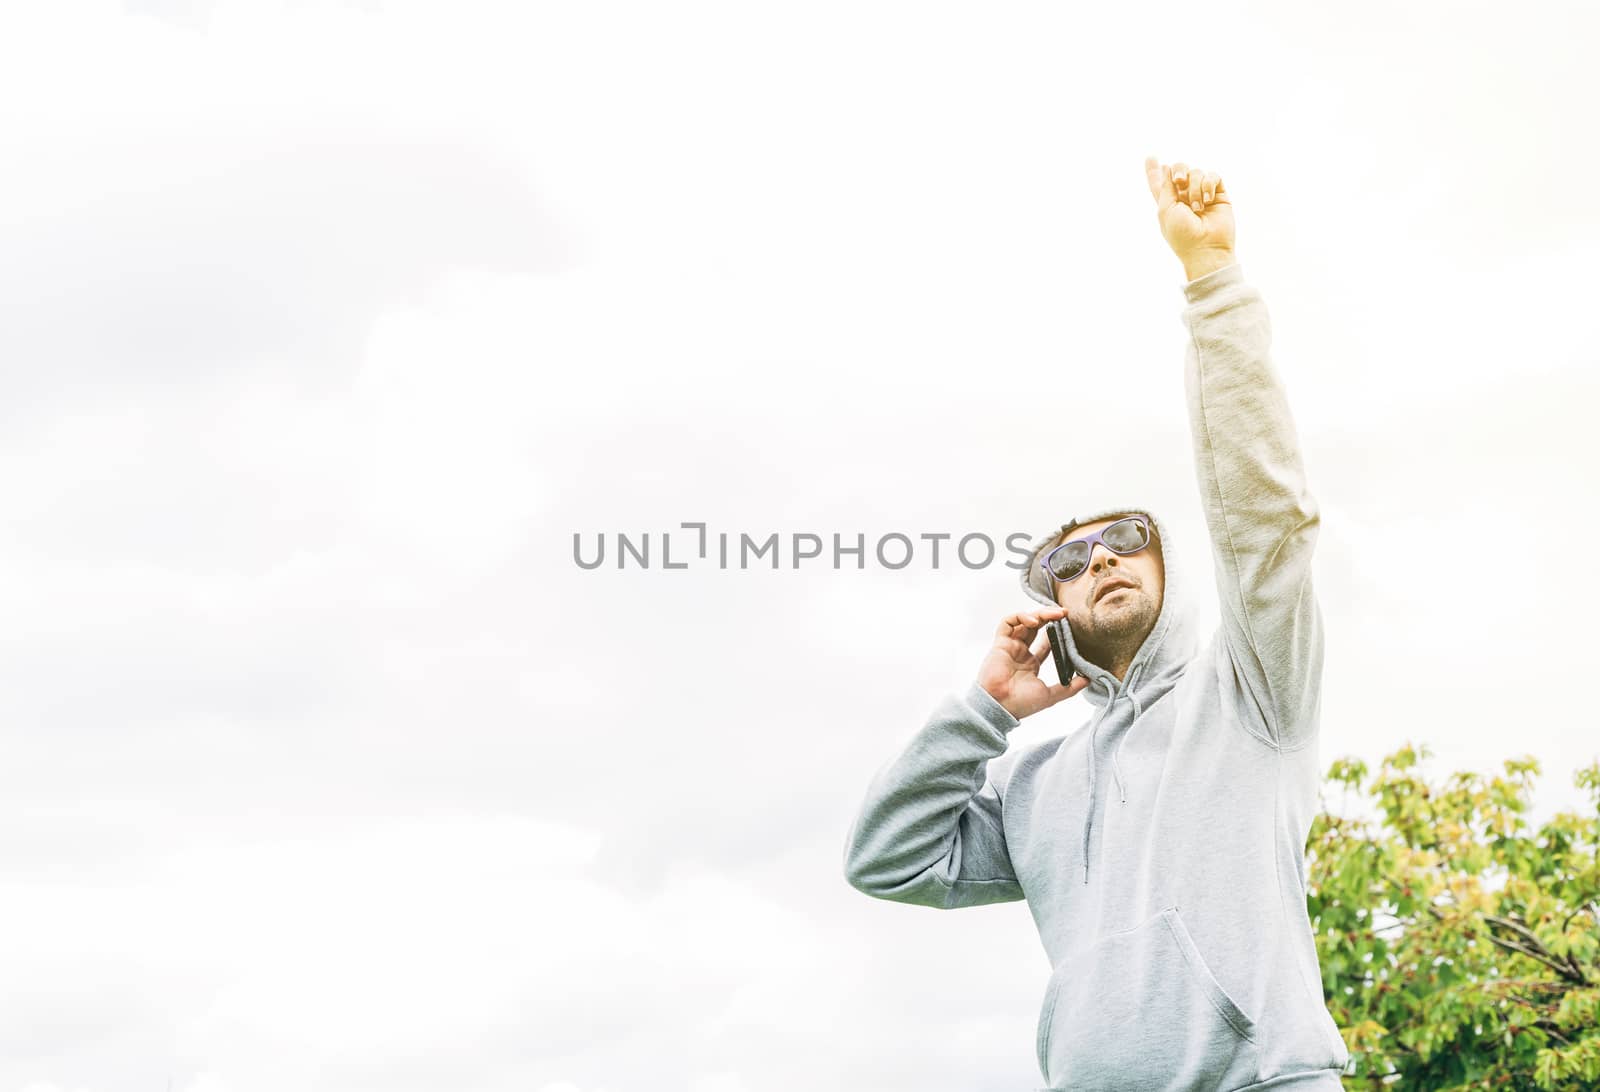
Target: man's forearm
1198,264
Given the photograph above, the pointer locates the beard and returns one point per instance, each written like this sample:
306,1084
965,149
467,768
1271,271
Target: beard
1112,632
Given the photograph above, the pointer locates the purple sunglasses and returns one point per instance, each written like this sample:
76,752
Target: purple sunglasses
1128,535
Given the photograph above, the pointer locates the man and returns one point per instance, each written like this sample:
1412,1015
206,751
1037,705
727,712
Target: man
1161,848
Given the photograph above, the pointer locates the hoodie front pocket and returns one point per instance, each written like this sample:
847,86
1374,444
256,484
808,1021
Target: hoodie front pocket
1141,1009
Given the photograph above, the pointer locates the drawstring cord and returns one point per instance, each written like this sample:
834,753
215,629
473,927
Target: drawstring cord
1116,768
1088,823
1138,711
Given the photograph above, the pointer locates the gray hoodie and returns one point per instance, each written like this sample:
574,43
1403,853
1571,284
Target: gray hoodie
1160,846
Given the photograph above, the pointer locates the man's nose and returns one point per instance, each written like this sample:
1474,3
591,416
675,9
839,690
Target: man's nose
1101,556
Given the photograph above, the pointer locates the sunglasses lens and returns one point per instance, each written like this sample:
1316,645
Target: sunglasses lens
1126,535
1069,561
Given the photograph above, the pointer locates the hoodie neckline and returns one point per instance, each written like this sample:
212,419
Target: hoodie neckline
1155,668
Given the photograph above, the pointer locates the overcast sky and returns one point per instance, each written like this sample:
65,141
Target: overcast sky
328,325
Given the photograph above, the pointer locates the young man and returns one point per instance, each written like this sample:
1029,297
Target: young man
1161,848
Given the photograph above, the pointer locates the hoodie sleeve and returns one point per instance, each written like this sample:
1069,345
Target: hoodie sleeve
1262,518
930,831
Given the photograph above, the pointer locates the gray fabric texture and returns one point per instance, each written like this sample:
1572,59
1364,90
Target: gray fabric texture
1161,845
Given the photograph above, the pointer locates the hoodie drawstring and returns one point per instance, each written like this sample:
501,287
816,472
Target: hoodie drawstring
1088,823
1138,711
1116,767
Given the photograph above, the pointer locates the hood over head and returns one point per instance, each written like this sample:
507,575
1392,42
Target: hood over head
1172,642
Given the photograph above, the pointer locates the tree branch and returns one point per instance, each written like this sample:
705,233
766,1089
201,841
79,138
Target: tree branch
1593,908
1577,970
1549,1027
1563,971
1526,934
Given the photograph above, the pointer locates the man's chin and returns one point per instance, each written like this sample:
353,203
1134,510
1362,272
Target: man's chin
1122,624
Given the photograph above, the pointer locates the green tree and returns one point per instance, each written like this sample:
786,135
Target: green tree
1458,947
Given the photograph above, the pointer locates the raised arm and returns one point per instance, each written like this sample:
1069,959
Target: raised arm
1262,518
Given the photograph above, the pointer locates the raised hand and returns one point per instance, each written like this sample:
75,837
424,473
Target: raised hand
1010,672
1195,213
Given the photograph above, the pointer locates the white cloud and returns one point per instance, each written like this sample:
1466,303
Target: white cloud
330,324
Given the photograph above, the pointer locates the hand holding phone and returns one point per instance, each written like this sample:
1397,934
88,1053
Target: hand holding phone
1010,672
1058,649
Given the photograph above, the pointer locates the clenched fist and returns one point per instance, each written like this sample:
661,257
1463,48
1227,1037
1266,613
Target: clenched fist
1195,213
1010,672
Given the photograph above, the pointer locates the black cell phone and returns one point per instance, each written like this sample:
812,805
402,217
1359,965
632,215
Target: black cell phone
1058,647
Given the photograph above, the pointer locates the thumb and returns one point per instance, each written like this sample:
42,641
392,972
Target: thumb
1055,694
1160,180
1059,693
